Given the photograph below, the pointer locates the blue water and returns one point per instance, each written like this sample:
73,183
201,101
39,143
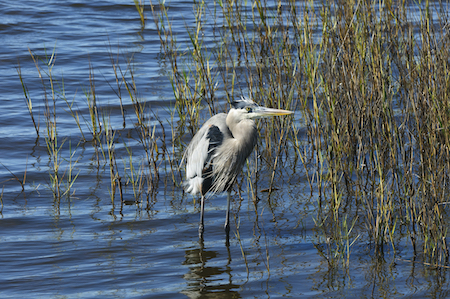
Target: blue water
85,246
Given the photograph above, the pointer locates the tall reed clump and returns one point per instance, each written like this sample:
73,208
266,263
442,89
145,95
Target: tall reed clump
61,179
370,82
385,102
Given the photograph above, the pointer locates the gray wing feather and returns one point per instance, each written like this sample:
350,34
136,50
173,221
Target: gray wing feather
200,151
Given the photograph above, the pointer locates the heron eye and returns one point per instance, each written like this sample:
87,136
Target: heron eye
249,109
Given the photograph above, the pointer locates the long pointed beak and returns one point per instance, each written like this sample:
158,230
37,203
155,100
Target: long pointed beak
266,112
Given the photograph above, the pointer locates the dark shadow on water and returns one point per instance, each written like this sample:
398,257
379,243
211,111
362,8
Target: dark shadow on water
205,281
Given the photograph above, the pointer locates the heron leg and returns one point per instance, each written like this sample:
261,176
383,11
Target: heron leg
227,219
201,227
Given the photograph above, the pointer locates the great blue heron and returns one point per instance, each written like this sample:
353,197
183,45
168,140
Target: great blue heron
219,149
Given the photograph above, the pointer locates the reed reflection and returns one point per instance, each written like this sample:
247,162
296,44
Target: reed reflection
205,281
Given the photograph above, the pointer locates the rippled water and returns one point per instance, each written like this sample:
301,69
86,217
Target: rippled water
86,247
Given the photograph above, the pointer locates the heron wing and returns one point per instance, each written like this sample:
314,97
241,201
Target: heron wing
200,152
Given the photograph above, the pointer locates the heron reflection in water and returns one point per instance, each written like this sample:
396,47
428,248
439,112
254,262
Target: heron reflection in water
218,151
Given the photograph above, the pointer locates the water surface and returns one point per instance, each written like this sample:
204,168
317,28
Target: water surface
85,246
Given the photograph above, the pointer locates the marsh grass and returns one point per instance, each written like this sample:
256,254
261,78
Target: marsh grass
22,181
95,128
61,179
27,97
140,7
368,80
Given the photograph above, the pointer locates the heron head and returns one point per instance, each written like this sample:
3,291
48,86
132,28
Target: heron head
247,109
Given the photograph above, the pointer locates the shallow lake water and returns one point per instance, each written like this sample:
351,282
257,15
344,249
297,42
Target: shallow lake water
85,246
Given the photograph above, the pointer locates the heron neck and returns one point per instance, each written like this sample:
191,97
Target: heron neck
245,134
